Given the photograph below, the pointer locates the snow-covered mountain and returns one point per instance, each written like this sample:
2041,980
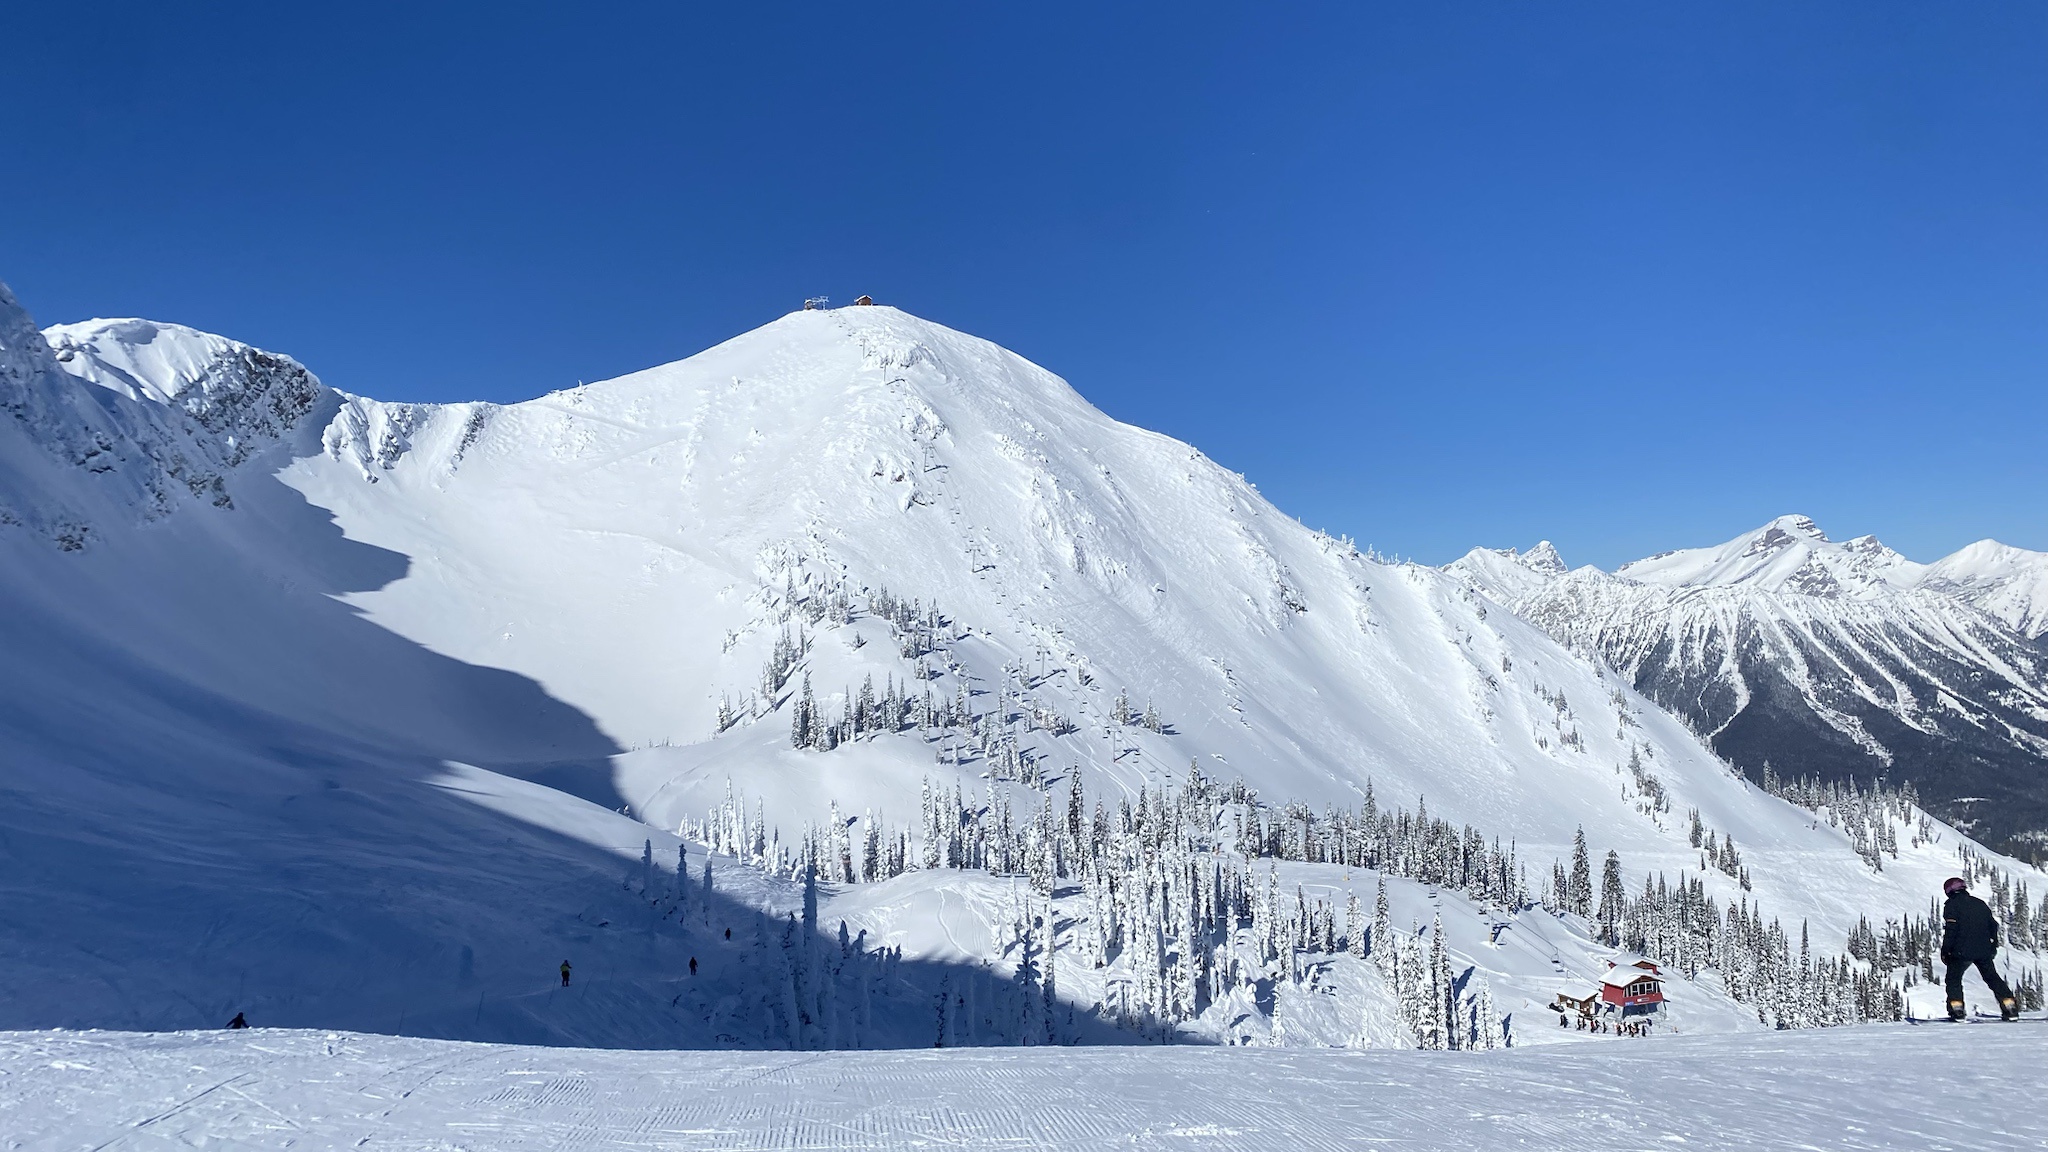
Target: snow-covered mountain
2006,582
1838,659
347,701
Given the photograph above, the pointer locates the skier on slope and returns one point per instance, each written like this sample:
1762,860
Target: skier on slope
238,1022
1970,937
565,973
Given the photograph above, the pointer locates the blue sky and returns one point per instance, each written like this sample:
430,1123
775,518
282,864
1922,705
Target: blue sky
1627,276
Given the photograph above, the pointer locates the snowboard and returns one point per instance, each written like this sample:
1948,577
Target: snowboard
1978,1018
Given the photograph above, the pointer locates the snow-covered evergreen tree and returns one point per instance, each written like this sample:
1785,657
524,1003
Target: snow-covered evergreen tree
1382,923
1438,995
1049,987
1486,1029
803,723
1354,926
1611,900
1579,894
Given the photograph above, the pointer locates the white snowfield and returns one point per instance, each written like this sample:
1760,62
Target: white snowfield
1928,1089
326,709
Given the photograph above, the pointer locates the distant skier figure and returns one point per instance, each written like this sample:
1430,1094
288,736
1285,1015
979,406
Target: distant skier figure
693,965
565,973
238,1022
1970,938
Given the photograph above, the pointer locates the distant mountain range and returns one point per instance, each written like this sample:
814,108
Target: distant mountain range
1838,659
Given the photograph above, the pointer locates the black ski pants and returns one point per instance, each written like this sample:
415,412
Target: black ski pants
1992,980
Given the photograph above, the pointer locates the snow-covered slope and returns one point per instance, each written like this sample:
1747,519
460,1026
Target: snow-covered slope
1891,1088
1838,659
309,692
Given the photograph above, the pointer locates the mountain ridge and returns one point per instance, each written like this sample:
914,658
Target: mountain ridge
1840,659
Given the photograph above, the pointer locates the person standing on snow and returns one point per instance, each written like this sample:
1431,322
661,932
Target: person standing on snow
1970,937
565,973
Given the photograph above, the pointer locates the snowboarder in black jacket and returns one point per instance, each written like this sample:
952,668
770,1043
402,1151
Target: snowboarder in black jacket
1970,937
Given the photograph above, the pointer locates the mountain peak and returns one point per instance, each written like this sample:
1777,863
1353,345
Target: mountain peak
1784,532
1544,558
1798,525
237,397
1507,575
142,359
1789,554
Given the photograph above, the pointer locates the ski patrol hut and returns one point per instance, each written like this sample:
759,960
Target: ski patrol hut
865,300
1633,989
1577,999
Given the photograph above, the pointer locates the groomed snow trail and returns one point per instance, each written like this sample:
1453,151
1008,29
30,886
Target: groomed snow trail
1866,1088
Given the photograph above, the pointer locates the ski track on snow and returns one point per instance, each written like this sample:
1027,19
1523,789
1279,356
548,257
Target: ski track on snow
1869,1088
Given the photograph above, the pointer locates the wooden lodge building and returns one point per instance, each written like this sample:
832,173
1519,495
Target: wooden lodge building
1635,989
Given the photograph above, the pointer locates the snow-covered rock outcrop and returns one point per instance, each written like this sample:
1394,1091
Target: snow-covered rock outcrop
136,416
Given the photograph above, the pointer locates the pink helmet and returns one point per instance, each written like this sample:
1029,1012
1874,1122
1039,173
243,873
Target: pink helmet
1953,885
